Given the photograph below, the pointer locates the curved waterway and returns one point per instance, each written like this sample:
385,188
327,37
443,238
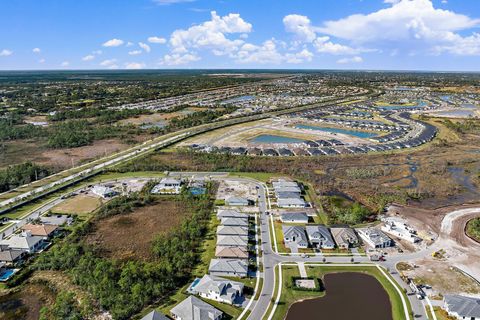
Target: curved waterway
349,295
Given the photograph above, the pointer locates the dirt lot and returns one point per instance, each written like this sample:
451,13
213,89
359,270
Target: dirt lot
26,303
129,236
80,204
21,151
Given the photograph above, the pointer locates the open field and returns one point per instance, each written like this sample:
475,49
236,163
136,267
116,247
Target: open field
80,204
59,159
25,302
129,236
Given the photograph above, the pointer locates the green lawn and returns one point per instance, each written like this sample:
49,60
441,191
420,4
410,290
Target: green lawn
289,295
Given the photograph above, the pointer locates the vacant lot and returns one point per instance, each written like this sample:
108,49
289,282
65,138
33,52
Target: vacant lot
81,204
129,236
25,303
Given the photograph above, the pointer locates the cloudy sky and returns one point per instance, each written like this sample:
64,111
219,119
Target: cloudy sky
440,35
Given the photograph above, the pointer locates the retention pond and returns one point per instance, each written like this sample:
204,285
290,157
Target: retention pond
349,295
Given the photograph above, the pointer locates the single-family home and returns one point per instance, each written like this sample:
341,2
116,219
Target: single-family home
344,237
462,307
218,289
43,230
294,217
10,256
375,238
295,235
320,237
231,252
232,231
291,203
24,242
155,315
235,222
104,191
237,201
232,241
228,267
192,308
230,213
168,186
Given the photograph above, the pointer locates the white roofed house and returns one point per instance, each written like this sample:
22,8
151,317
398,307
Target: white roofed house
24,242
228,267
168,186
103,191
218,289
320,237
462,307
235,222
375,238
192,308
232,231
231,213
291,203
294,217
295,236
232,241
237,201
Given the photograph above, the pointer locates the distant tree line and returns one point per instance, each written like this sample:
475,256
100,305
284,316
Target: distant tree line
20,174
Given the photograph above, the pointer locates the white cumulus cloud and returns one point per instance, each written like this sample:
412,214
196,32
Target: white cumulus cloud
211,35
144,46
300,26
36,50
157,40
6,53
135,52
89,57
176,59
113,43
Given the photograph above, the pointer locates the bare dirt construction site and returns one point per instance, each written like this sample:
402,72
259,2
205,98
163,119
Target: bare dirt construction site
129,236
452,259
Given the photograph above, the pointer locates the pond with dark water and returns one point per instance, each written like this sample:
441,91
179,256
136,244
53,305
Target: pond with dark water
349,295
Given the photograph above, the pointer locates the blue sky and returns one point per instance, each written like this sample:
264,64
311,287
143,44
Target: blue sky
441,35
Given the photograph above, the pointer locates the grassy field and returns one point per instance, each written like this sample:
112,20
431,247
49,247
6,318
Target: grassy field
130,236
290,296
260,176
80,205
473,229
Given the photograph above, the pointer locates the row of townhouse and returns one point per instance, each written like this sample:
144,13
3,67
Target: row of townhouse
319,236
231,259
288,194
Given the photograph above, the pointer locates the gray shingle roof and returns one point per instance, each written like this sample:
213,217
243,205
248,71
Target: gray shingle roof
466,307
193,308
